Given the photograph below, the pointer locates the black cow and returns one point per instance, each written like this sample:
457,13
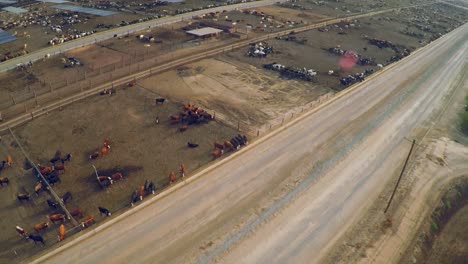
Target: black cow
135,197
160,100
66,158
36,238
23,196
52,204
104,211
67,196
192,145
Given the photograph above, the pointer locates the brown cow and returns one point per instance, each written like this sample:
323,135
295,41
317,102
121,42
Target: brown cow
60,168
182,170
228,145
41,226
104,150
45,169
218,145
56,217
171,177
107,143
183,128
61,234
88,221
217,153
39,186
77,212
117,176
141,192
21,232
9,161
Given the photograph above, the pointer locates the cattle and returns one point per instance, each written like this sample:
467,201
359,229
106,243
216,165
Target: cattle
93,156
116,176
52,204
45,169
172,177
38,188
54,160
66,197
182,170
104,181
134,197
217,153
234,143
183,128
52,177
160,100
60,168
104,211
141,192
36,238
4,180
2,165
107,143
151,188
66,158
56,218
9,161
218,145
105,150
77,212
41,226
88,221
192,145
23,196
228,145
21,232
61,235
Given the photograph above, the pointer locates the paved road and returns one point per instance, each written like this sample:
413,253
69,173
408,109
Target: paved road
101,36
353,139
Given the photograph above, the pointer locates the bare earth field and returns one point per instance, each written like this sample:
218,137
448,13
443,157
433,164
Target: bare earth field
152,153
239,92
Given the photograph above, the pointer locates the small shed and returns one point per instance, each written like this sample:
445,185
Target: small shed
205,32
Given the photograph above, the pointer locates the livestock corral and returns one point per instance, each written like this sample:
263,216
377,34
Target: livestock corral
128,142
128,136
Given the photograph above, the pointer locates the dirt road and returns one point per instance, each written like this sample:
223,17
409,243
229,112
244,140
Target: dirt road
327,167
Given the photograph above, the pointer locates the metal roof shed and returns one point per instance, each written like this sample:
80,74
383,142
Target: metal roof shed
205,32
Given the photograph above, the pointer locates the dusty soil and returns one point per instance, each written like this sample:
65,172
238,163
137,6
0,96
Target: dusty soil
235,90
140,150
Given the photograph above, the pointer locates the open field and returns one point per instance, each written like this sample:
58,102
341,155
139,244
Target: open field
140,150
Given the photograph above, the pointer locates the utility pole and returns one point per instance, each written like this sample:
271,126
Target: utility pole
399,178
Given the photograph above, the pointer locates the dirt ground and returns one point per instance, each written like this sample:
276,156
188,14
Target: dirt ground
140,150
238,91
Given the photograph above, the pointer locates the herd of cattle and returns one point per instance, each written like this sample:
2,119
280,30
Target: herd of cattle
190,115
292,72
259,50
49,175
229,145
